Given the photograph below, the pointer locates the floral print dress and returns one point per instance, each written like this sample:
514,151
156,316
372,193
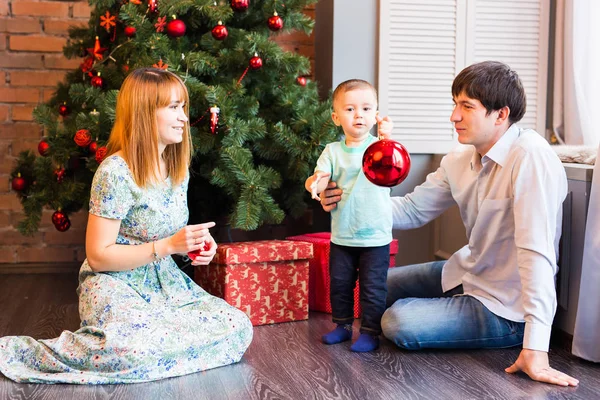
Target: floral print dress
139,325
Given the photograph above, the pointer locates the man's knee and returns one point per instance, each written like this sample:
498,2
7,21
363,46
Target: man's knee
396,328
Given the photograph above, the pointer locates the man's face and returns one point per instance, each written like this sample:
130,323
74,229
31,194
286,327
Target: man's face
472,124
355,112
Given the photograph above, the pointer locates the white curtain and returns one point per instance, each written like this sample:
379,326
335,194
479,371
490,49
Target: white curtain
576,112
586,337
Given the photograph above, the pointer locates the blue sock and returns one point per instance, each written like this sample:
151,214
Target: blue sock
340,334
365,342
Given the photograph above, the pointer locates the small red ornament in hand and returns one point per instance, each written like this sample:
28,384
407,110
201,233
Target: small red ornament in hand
275,23
386,163
194,254
130,31
97,81
18,183
82,138
43,148
240,5
100,154
63,109
301,80
176,28
219,32
256,62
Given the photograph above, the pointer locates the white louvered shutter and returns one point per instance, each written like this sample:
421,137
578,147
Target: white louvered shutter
423,44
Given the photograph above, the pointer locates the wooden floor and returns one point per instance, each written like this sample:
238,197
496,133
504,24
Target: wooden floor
287,361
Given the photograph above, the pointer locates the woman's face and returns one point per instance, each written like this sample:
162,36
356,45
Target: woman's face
171,121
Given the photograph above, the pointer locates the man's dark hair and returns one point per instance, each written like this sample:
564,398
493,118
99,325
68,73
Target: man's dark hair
495,85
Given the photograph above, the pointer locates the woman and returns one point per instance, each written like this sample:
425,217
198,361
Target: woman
142,319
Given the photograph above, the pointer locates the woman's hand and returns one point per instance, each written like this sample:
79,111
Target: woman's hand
207,252
189,238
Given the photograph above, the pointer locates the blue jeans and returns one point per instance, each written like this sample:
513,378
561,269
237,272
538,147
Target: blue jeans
370,265
421,315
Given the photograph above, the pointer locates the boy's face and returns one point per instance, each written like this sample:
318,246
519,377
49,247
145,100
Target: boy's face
473,126
355,112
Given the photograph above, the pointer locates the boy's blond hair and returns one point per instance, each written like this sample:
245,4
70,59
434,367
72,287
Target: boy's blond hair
349,85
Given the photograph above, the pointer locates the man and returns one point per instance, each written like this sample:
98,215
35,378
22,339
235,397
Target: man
498,290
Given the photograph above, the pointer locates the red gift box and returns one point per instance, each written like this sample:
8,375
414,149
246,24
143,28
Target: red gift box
318,281
268,279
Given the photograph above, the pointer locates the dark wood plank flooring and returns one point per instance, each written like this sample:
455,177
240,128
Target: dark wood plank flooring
287,361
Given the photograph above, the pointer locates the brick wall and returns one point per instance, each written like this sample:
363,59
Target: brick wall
32,35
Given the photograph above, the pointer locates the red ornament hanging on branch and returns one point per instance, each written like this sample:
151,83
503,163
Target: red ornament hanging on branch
256,62
93,147
60,174
108,21
153,6
100,154
18,183
275,23
82,138
240,5
43,148
63,109
61,221
97,81
219,32
97,52
386,163
176,28
301,80
214,118
130,31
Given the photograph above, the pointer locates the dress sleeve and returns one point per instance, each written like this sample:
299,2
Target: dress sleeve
111,194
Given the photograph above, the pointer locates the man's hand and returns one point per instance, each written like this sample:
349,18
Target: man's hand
535,364
384,127
331,196
314,187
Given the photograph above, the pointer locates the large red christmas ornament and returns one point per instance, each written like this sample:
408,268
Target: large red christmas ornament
83,138
18,183
100,154
275,23
130,31
60,174
97,81
43,148
256,62
176,28
240,5
59,218
219,32
301,80
214,118
386,163
63,109
93,147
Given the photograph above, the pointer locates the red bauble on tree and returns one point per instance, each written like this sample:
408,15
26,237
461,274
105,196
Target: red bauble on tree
83,138
59,217
93,147
386,163
64,110
214,118
153,6
240,5
275,23
219,32
60,174
130,31
176,28
18,183
301,80
43,148
63,227
256,62
100,154
97,81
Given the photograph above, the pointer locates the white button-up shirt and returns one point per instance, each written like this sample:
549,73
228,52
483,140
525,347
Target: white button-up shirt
510,202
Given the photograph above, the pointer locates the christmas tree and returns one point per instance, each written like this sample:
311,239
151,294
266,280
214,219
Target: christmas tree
256,121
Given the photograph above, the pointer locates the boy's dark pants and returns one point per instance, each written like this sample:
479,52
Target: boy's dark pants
370,265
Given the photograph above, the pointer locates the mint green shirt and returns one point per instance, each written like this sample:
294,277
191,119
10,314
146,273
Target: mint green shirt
363,218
